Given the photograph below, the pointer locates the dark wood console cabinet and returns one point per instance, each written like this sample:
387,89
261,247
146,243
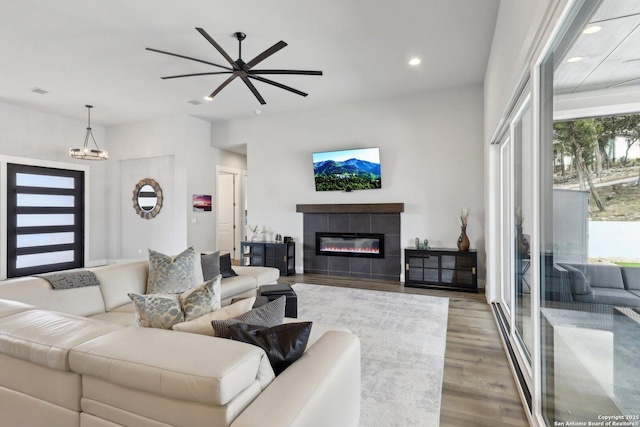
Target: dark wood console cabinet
441,268
270,254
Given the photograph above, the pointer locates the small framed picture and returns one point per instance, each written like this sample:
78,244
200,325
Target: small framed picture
202,203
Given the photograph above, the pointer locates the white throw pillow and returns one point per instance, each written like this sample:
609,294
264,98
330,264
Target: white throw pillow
202,325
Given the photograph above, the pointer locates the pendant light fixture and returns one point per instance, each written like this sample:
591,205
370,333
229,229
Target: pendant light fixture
87,153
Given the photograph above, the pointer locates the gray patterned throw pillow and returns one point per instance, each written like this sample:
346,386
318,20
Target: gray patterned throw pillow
269,315
157,311
165,310
171,276
201,300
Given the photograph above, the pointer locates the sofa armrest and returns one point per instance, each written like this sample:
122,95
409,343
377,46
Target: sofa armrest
561,288
320,389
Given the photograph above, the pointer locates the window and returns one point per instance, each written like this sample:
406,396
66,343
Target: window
45,219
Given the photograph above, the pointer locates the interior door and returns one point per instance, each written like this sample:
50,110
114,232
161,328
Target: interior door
226,213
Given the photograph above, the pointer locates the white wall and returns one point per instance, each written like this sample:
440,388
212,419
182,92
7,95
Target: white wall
31,134
614,240
517,27
430,152
187,141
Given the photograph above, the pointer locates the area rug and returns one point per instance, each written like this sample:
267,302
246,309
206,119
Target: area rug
403,339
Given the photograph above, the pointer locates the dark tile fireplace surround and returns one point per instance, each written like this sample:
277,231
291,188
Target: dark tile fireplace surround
355,220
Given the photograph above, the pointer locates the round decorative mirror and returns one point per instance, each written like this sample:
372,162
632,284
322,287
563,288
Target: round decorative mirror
147,198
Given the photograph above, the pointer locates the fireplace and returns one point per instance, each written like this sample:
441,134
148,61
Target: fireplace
364,245
353,220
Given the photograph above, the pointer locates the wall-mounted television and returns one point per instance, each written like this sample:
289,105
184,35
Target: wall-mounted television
347,170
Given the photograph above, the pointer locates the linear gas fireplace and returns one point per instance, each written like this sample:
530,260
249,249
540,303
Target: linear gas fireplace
365,245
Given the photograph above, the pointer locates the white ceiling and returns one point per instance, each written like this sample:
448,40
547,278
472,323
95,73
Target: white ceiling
93,52
610,58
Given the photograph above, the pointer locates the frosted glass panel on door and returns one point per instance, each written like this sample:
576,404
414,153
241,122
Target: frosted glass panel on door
46,181
44,239
45,200
24,261
43,220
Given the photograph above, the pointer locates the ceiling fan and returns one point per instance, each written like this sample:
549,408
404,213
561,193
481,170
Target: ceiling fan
241,69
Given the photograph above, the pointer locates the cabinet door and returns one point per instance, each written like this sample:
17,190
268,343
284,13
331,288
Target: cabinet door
431,268
275,257
291,258
448,273
416,268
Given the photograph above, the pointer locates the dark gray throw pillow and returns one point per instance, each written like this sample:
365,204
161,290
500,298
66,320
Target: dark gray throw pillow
225,266
210,265
284,344
271,314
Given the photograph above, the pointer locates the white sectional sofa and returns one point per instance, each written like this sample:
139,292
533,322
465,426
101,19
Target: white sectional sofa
74,357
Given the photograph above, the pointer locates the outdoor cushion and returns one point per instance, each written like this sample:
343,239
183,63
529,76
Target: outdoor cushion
631,277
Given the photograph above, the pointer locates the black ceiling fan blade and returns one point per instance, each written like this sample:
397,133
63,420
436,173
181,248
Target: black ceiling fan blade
189,58
217,46
222,86
267,53
253,89
301,72
276,84
196,74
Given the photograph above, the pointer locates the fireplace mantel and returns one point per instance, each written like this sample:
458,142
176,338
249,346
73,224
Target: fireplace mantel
352,208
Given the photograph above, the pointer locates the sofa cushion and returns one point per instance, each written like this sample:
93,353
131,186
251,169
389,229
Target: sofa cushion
270,314
45,337
610,296
601,276
118,280
284,344
263,275
202,325
236,285
210,264
634,292
117,317
605,276
578,282
172,365
170,276
631,278
38,292
8,307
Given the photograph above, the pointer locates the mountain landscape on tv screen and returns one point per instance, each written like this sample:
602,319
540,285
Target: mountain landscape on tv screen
352,174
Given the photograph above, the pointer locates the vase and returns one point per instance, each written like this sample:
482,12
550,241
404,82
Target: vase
463,240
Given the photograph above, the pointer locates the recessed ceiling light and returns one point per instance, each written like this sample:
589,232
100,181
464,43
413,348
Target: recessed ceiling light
208,98
258,111
414,61
575,59
592,29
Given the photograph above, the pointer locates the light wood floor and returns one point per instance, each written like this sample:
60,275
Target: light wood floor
478,388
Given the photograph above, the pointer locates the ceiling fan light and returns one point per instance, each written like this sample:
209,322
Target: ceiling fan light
208,98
